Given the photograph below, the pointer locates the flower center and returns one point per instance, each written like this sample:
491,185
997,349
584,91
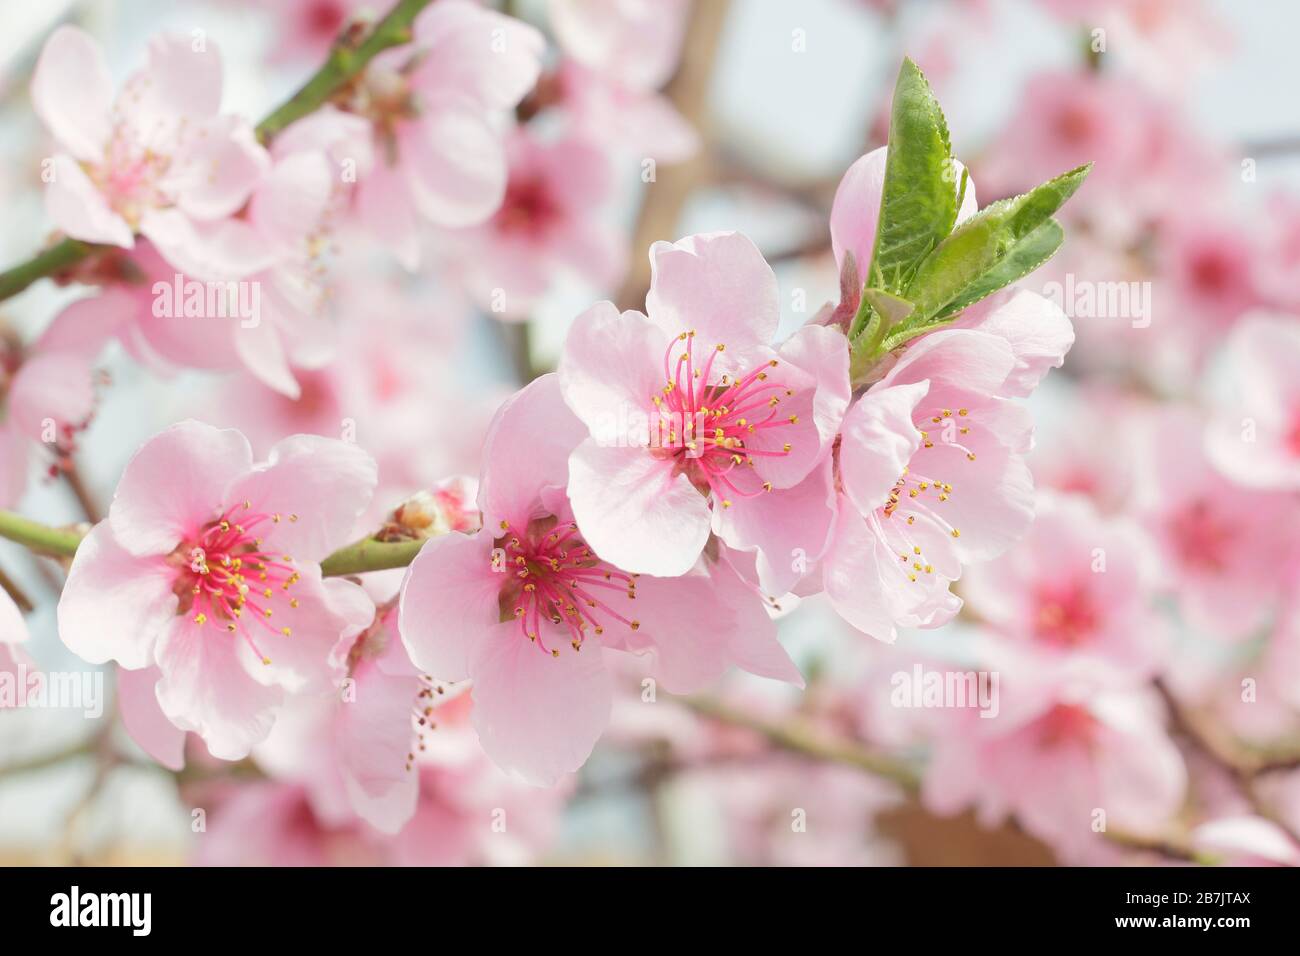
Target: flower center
528,208
1200,538
225,576
710,425
916,497
128,176
1065,723
1065,617
552,574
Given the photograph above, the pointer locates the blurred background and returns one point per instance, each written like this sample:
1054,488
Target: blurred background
1187,108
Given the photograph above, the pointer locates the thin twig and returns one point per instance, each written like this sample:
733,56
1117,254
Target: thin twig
12,588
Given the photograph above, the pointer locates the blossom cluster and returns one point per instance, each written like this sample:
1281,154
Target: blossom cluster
319,622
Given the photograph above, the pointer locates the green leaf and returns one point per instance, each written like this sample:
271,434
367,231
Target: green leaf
893,308
997,245
1027,255
918,203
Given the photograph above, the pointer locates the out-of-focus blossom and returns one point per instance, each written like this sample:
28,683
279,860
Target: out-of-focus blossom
208,567
1222,550
635,42
307,28
434,106
617,55
636,123
260,309
549,224
1078,586
397,395
1092,453
1068,755
526,610
161,160
47,397
1254,437
1163,42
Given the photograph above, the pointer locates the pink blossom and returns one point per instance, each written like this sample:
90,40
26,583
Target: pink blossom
617,54
691,415
208,567
307,28
1222,549
1094,455
528,612
638,123
241,294
1078,586
48,398
1147,161
434,106
161,160
1254,437
549,224
1065,746
634,42
932,477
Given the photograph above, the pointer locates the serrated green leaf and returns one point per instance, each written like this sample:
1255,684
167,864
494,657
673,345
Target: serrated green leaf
1030,253
918,203
984,253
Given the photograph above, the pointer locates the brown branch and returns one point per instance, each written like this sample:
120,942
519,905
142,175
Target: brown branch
12,588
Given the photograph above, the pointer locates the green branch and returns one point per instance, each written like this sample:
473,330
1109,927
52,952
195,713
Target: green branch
370,555
53,260
345,62
347,59
39,538
357,558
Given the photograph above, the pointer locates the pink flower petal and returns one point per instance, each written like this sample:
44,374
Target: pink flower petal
144,720
536,419
325,482
537,715
450,600
51,388
1038,332
455,166
634,512
115,605
74,205
788,528
718,284
608,373
374,736
879,440
205,687
175,483
72,92
214,175
481,54
384,206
